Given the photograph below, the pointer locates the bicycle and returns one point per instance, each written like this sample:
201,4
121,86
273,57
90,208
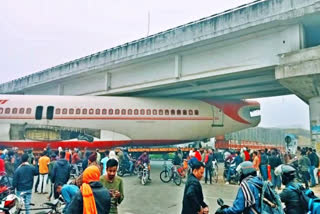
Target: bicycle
167,175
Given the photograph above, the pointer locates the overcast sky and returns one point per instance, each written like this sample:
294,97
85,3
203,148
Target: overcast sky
39,34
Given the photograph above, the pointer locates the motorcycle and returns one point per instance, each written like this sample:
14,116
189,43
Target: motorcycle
124,168
11,204
143,174
55,207
221,204
234,177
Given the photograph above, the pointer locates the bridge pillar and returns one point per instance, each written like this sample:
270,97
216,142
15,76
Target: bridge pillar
314,107
299,71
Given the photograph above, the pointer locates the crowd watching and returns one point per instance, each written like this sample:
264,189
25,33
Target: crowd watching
94,187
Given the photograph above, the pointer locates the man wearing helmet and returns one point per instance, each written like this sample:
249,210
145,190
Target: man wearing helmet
289,196
247,200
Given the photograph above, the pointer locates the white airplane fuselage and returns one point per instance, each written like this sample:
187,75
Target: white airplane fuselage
34,121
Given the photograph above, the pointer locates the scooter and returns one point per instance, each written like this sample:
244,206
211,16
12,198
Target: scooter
221,204
234,177
143,174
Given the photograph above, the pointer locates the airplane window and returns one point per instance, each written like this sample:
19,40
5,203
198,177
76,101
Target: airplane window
7,111
178,112
97,111
110,111
28,111
154,111
148,112
173,112
91,111
166,112
190,112
160,112
136,111
184,112
1,110
21,111
129,111
196,112
104,111
71,111
142,111
117,112
14,110
84,111
58,111
123,112
64,111
78,111
50,112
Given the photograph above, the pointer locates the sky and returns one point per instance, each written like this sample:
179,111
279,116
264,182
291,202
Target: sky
39,34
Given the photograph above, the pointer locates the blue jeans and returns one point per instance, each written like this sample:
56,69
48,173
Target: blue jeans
131,166
264,172
275,180
26,195
313,180
231,171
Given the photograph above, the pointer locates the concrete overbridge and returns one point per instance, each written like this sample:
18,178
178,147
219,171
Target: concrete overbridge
265,48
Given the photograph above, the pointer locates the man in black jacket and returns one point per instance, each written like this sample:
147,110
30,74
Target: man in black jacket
60,172
193,197
23,180
290,196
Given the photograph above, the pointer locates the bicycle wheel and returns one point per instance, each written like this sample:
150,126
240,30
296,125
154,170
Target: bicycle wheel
165,176
176,179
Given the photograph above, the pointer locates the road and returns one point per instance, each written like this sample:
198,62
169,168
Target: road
161,198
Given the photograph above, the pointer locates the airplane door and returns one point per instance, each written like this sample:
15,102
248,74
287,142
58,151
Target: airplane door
39,111
217,117
50,110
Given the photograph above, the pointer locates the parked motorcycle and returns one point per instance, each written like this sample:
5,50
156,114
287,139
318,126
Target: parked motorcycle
11,204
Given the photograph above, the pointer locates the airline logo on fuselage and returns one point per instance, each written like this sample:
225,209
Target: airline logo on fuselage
3,101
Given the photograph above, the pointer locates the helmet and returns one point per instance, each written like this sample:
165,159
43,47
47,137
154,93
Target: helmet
245,169
286,172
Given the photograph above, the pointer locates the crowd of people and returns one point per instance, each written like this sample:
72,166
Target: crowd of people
255,168
97,189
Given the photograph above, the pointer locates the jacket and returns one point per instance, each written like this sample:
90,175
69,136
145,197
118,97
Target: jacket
101,196
292,200
238,204
23,177
193,196
61,171
304,163
274,161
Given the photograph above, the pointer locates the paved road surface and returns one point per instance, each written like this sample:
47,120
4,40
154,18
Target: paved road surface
161,198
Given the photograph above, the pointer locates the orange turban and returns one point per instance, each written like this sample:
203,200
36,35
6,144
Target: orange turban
92,173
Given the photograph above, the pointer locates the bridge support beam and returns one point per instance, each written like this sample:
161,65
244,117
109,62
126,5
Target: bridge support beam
314,106
299,71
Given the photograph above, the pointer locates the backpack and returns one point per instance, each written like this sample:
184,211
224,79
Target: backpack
309,201
270,201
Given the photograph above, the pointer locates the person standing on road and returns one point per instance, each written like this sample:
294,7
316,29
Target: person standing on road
208,162
274,162
92,198
304,164
104,161
114,184
60,172
44,161
193,202
23,181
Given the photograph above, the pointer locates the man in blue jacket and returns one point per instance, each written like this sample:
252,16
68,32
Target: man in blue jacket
247,200
67,192
23,181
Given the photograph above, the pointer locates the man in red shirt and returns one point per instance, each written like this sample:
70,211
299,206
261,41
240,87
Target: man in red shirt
197,155
2,167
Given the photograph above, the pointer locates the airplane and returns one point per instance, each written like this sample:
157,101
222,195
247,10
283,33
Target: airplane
34,121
